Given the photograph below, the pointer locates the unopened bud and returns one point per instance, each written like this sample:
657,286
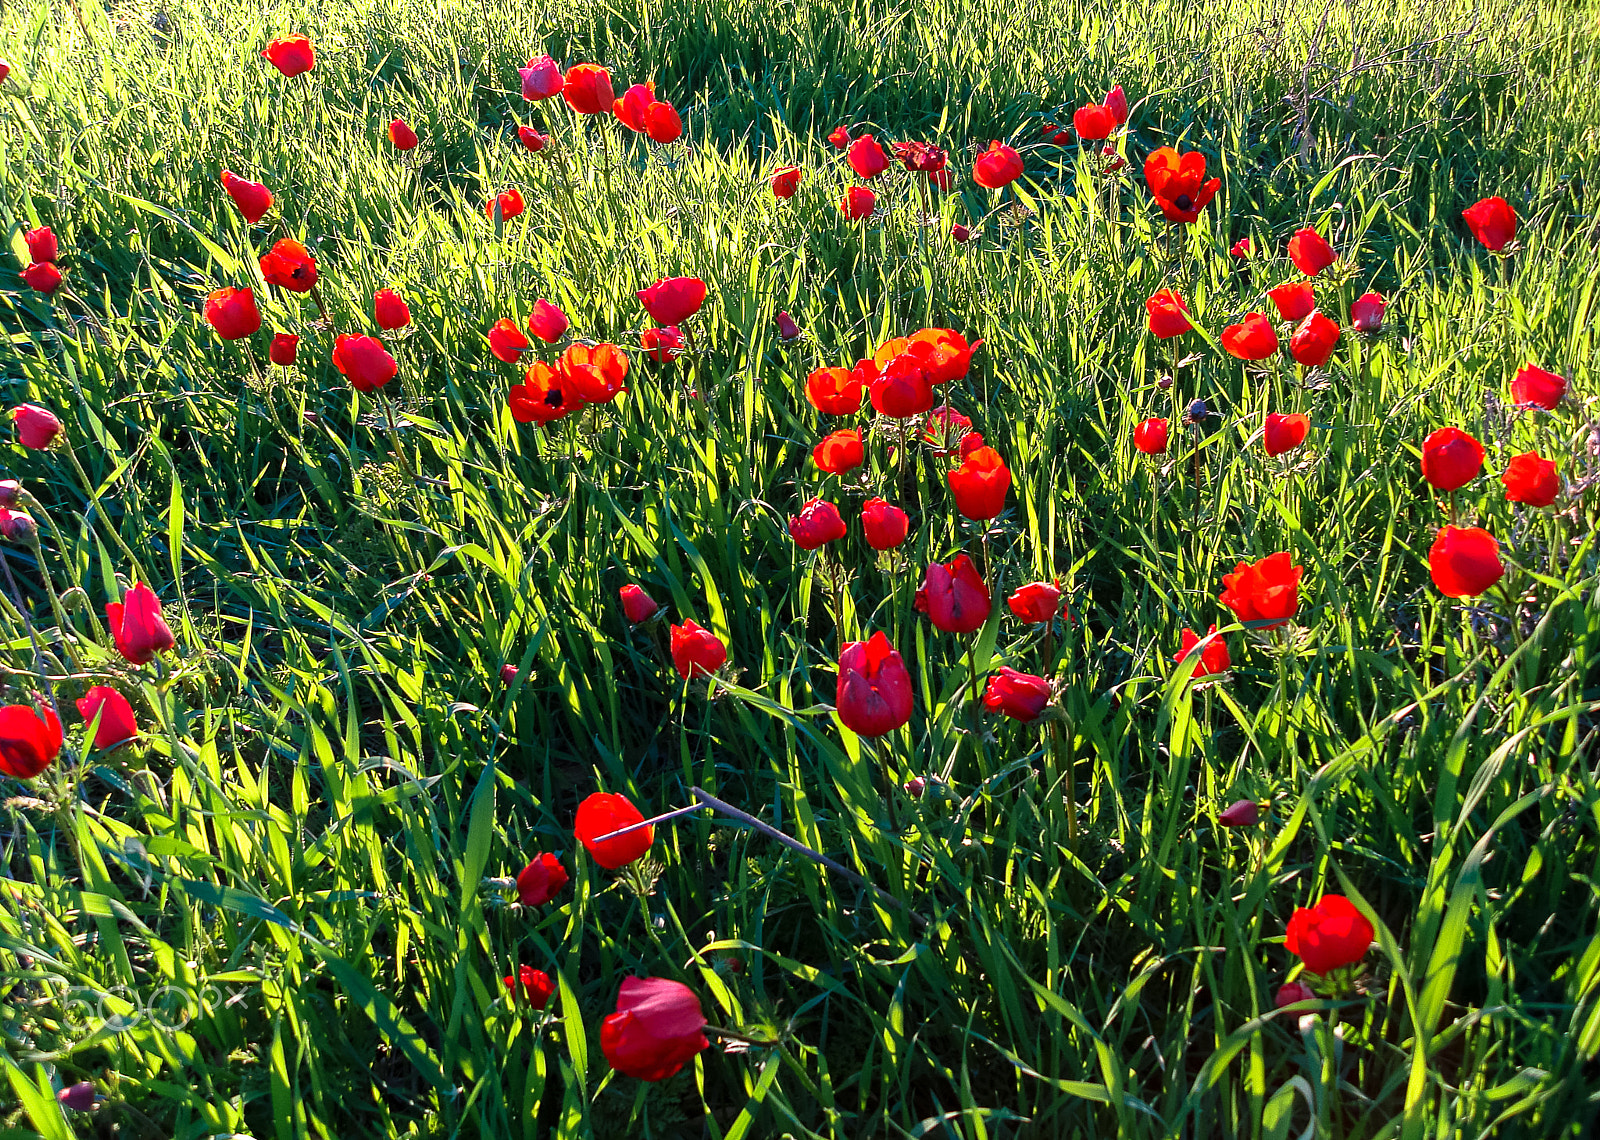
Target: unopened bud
787,329
1164,383
508,674
78,1097
10,493
961,233
1242,813
17,526
1292,993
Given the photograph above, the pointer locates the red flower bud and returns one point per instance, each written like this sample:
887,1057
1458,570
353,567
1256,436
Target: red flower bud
401,136
817,524
531,986
29,742
884,524
37,427
1037,602
41,244
233,313
636,604
1492,221
117,724
1285,433
252,198
390,310
1241,813
1329,935
1310,253
284,348
137,627
953,596
538,882
696,650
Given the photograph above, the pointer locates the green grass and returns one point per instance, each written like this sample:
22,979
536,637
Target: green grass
293,859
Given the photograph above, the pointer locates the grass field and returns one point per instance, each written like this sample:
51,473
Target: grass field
285,908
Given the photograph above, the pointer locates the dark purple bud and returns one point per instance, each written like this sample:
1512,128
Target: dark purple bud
508,674
787,329
78,1097
1164,383
1243,813
1197,411
961,233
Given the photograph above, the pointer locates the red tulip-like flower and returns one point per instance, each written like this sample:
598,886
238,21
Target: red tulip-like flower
1366,312
858,203
1464,561
37,427
874,690
817,524
587,89
1178,183
42,277
630,109
137,628
867,158
637,605
884,524
903,389
1037,602
788,331
292,55
603,813
1535,385
1240,813
1251,339
547,322
785,181
1020,696
1268,590
504,206
531,140
839,137
980,484
401,136
541,879
42,244
390,310
252,198
233,313
953,596
284,348
656,1031
1150,436
1314,341
959,233
543,396
662,123
1295,300
664,344
1284,433
696,650
996,167
1169,316
944,353
839,452
835,391
1213,655
29,742
1329,935
1093,123
289,266
596,372
363,361
117,725
1531,480
1493,222
1117,104
673,300
541,79
1310,253
531,986
1451,458
1241,248
507,342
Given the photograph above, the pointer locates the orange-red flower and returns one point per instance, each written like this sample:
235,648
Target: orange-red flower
673,300
1150,436
603,813
980,484
785,181
664,344
954,596
903,389
1314,341
1451,458
363,361
1213,655
944,353
252,198
858,203
1535,385
1492,221
233,313
547,322
1251,339
390,310
543,396
1169,316
835,391
595,371
1464,561
292,55
884,524
1310,252
866,158
996,167
662,123
631,107
1093,122
507,342
1284,433
587,89
1329,935
839,452
817,524
504,206
1295,300
289,266
1268,590
1178,183
401,136
1037,602
1531,480
29,742
839,137
696,650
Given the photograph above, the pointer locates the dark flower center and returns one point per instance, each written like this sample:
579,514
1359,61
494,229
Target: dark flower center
1183,202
